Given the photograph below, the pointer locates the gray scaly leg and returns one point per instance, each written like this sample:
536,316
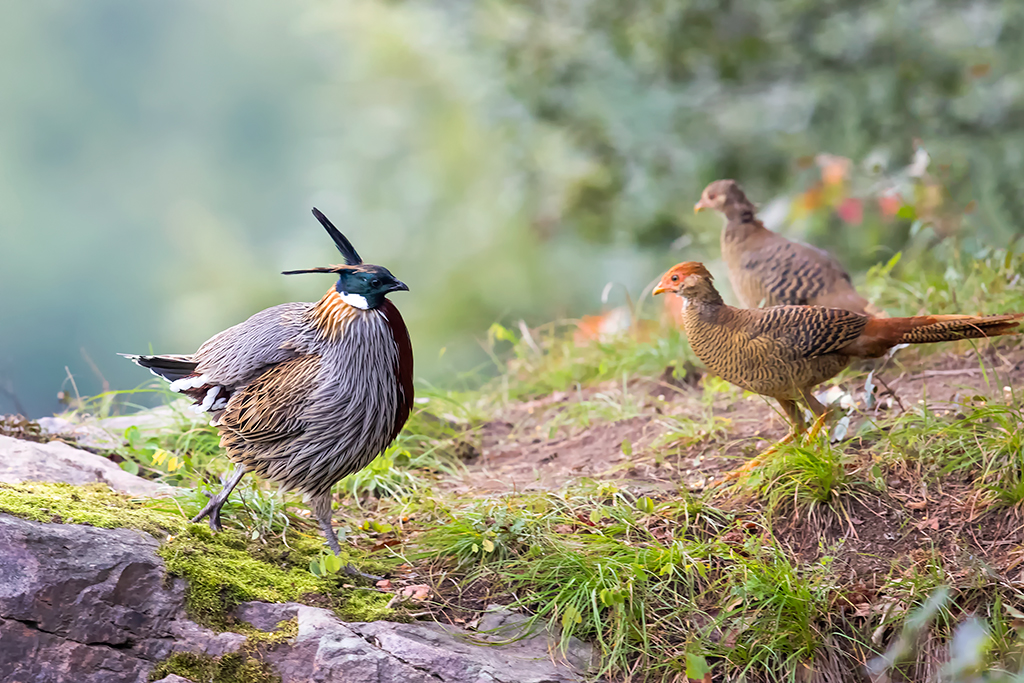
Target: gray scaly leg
212,509
321,505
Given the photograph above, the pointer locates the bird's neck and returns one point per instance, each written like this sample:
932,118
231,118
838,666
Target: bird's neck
703,307
741,221
703,295
332,315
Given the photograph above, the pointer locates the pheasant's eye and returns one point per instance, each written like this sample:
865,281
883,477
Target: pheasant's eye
675,278
375,282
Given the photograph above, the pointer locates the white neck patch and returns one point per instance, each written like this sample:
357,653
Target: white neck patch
357,300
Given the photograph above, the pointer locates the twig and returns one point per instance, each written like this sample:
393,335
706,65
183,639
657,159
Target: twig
948,373
8,389
529,337
88,359
891,393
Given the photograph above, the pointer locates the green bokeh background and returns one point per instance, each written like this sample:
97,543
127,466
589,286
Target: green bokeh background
506,159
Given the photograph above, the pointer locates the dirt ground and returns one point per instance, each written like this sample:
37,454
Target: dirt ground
875,532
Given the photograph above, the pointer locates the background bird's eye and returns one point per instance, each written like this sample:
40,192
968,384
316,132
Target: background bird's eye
675,278
712,195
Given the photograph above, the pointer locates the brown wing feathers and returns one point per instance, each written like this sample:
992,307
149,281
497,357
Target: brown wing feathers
269,409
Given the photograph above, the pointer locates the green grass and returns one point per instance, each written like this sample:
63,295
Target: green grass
983,443
664,584
549,360
948,279
802,478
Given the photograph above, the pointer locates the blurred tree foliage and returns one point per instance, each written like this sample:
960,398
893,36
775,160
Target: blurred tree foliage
657,98
505,158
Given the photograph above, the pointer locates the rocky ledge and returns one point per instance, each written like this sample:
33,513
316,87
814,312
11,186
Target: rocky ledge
89,605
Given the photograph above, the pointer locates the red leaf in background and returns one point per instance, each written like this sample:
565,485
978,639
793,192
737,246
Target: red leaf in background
889,204
808,202
385,544
851,211
834,169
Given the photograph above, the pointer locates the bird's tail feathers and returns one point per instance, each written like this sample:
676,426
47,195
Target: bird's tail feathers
169,367
941,328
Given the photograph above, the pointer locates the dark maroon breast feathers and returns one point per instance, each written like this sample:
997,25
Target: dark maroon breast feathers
405,389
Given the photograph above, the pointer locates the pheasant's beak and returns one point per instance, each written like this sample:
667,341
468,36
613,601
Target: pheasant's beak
398,286
700,206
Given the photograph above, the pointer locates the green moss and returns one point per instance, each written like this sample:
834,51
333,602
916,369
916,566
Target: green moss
93,504
236,667
222,569
221,573
366,606
255,639
225,569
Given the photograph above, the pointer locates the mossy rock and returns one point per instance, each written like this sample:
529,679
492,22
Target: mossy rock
222,569
93,504
237,667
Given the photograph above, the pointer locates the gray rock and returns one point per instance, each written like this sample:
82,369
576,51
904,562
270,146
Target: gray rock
327,649
173,678
90,605
80,604
108,433
22,461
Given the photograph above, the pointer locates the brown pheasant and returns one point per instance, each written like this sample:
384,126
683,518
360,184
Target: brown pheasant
766,269
784,351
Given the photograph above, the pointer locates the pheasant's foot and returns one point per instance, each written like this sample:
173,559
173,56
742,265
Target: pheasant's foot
754,462
812,433
212,509
332,541
352,571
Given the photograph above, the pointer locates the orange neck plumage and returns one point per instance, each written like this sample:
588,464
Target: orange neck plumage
332,315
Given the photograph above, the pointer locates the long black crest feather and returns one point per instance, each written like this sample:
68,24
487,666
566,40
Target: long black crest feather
344,246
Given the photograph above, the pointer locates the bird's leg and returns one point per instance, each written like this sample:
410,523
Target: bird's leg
818,409
321,505
792,411
212,509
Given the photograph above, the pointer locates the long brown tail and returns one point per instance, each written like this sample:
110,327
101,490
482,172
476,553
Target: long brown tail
881,334
939,328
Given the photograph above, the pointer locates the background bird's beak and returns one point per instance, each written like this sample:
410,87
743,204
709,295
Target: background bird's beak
699,206
659,290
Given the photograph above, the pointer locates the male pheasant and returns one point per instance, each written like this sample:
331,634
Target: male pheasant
766,269
784,351
305,393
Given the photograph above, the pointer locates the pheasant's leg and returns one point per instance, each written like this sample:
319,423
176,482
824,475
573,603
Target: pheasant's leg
794,413
818,409
812,433
212,509
321,505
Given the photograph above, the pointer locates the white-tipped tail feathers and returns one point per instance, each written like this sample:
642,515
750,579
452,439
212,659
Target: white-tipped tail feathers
186,383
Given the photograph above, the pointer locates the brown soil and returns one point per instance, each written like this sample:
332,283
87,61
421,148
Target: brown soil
870,533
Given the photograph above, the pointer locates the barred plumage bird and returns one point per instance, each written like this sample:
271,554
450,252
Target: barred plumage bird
305,393
766,269
783,352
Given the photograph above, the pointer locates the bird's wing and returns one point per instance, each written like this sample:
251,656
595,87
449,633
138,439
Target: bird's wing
241,353
272,406
807,331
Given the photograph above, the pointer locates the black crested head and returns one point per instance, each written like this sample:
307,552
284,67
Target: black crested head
364,286
359,284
